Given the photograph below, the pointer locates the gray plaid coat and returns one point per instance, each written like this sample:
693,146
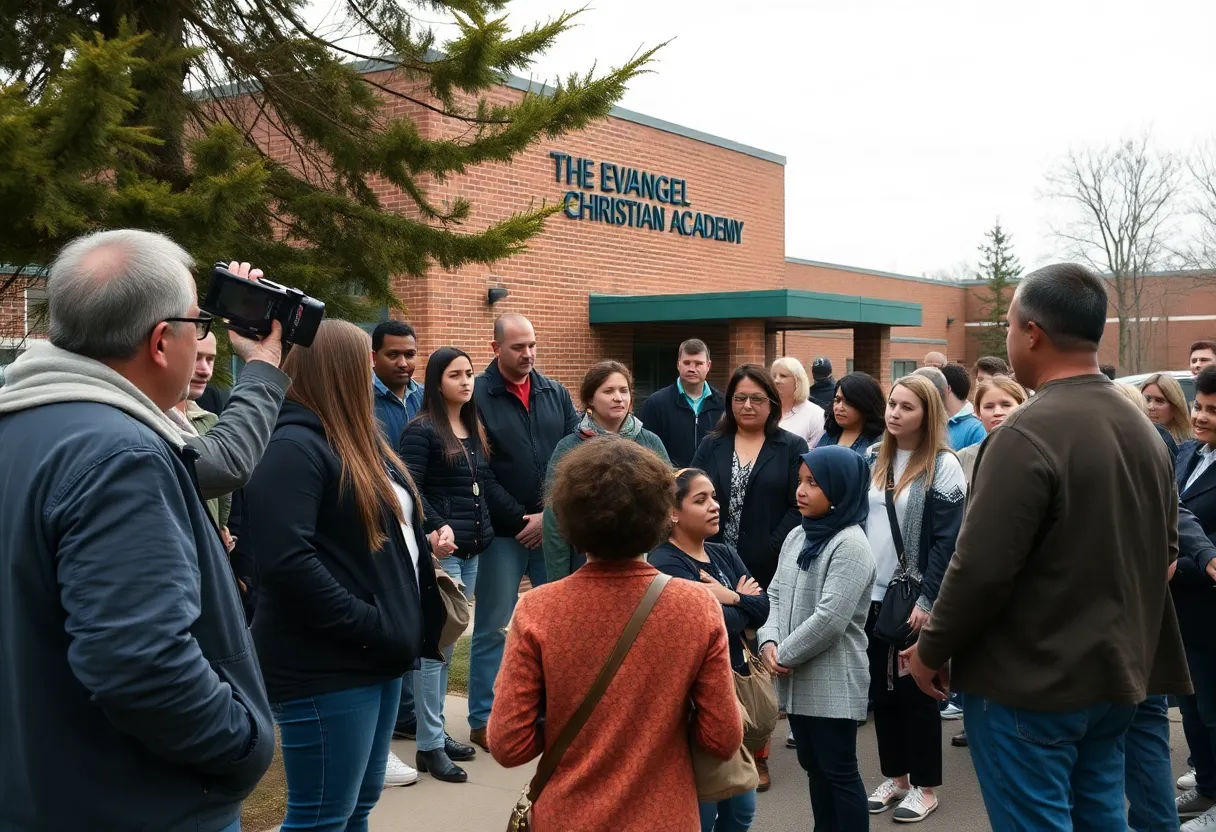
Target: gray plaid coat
817,619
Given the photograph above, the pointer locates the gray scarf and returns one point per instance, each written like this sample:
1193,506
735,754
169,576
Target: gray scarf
630,428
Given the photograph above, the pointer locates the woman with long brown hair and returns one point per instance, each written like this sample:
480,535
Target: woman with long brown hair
446,450
347,598
916,508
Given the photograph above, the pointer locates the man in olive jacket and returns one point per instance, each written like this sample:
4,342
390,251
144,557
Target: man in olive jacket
1055,610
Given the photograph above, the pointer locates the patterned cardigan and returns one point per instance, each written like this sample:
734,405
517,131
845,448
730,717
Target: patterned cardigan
817,619
931,522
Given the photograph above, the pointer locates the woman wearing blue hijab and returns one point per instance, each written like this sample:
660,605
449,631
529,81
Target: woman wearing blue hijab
814,640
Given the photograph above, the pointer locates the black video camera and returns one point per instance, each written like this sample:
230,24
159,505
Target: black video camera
251,306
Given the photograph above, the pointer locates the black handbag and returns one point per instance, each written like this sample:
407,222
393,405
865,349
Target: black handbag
892,624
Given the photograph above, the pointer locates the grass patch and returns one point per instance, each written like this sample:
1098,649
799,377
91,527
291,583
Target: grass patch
458,673
266,807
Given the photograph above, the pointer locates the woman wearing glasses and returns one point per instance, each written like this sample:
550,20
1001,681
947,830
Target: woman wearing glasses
753,466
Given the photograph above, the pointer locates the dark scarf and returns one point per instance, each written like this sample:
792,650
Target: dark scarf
845,478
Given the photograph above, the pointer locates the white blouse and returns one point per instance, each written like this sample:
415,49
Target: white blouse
878,528
805,420
407,527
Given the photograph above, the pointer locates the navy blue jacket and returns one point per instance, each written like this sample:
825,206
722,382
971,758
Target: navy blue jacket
1193,591
127,671
668,416
749,614
770,508
521,442
331,613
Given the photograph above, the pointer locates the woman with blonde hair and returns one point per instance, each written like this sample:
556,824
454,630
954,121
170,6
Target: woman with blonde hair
916,508
347,598
995,398
1167,406
799,415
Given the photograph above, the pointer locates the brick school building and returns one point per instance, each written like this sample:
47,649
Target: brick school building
667,233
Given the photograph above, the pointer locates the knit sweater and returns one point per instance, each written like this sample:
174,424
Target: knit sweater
817,619
629,768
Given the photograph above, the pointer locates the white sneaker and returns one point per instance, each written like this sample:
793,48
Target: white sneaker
1204,823
789,740
886,796
952,711
397,773
1187,781
914,808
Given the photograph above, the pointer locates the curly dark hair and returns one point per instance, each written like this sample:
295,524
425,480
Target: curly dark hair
612,498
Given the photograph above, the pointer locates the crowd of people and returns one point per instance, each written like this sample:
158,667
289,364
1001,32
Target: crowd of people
1029,547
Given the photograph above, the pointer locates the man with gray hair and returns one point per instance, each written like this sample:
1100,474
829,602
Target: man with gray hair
937,377
129,671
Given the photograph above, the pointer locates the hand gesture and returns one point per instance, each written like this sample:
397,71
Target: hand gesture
747,586
724,595
918,619
533,530
935,683
445,541
270,348
768,655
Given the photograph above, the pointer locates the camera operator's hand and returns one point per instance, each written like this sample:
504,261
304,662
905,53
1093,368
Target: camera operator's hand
270,348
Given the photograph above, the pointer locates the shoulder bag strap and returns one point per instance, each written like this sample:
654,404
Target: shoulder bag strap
550,760
893,519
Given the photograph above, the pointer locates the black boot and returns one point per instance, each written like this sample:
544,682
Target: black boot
440,766
959,740
458,751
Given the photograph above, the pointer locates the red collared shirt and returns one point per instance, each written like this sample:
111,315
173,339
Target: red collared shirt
523,392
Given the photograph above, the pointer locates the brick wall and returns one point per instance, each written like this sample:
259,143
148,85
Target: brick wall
1179,310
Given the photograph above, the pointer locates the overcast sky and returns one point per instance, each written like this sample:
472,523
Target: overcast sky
908,127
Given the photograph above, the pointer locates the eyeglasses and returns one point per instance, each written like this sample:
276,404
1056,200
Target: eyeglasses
202,325
756,401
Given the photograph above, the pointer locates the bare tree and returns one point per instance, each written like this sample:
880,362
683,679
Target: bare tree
1200,253
1125,200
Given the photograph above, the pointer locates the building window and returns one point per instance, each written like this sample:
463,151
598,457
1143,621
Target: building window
654,367
848,365
899,369
37,320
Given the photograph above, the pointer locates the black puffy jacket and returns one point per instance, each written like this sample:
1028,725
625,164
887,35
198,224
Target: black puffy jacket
331,613
447,484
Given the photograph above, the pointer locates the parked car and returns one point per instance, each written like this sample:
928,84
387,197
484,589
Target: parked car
1184,378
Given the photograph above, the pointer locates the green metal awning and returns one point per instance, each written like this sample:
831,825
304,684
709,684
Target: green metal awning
784,309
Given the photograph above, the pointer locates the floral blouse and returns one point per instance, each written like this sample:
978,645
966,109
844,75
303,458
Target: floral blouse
739,475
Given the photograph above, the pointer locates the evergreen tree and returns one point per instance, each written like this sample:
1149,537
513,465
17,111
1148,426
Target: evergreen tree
113,113
1000,267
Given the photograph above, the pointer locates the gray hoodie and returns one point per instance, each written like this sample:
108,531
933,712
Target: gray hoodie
127,669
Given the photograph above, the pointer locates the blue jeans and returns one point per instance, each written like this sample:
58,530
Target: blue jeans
406,718
502,567
733,815
234,827
1049,771
1199,717
335,746
1149,779
431,682
827,752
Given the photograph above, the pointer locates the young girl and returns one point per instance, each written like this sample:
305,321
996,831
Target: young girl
446,451
913,468
695,518
814,641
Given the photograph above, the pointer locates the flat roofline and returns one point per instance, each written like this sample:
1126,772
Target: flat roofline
798,261
364,67
1192,274
786,309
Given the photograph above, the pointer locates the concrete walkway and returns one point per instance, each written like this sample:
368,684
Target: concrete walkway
484,803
